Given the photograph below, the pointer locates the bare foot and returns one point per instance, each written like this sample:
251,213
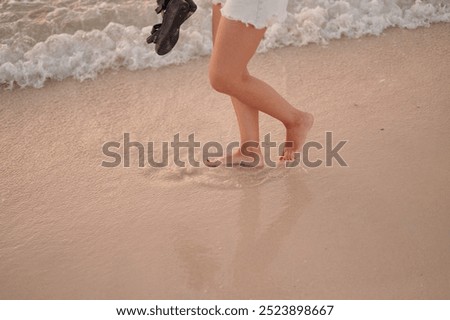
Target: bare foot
238,159
296,135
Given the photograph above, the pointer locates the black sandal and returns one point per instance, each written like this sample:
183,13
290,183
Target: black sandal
175,12
154,34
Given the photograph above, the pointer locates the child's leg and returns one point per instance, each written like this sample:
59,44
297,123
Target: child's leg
248,118
234,46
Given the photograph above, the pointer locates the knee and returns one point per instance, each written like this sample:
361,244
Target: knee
219,80
223,81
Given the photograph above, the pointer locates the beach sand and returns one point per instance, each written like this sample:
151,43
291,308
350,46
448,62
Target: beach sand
376,229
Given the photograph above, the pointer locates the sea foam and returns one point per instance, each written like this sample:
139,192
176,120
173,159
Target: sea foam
56,39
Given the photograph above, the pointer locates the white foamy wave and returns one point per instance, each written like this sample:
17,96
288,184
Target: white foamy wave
85,54
56,39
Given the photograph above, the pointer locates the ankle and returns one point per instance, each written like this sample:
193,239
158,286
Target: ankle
295,120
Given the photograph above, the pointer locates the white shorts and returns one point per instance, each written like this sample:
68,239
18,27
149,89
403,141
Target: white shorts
259,13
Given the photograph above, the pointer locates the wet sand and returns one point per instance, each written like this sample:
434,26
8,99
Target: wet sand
377,229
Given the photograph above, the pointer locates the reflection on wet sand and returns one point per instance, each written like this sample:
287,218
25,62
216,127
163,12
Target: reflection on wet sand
241,267
257,244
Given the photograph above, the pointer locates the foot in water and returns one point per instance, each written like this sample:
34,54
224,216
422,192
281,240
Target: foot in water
237,158
175,12
296,135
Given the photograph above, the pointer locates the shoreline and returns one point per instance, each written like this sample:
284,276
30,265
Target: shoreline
112,71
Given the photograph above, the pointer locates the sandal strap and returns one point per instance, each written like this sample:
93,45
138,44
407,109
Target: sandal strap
162,5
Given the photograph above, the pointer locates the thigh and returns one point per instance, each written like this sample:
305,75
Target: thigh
216,17
234,46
